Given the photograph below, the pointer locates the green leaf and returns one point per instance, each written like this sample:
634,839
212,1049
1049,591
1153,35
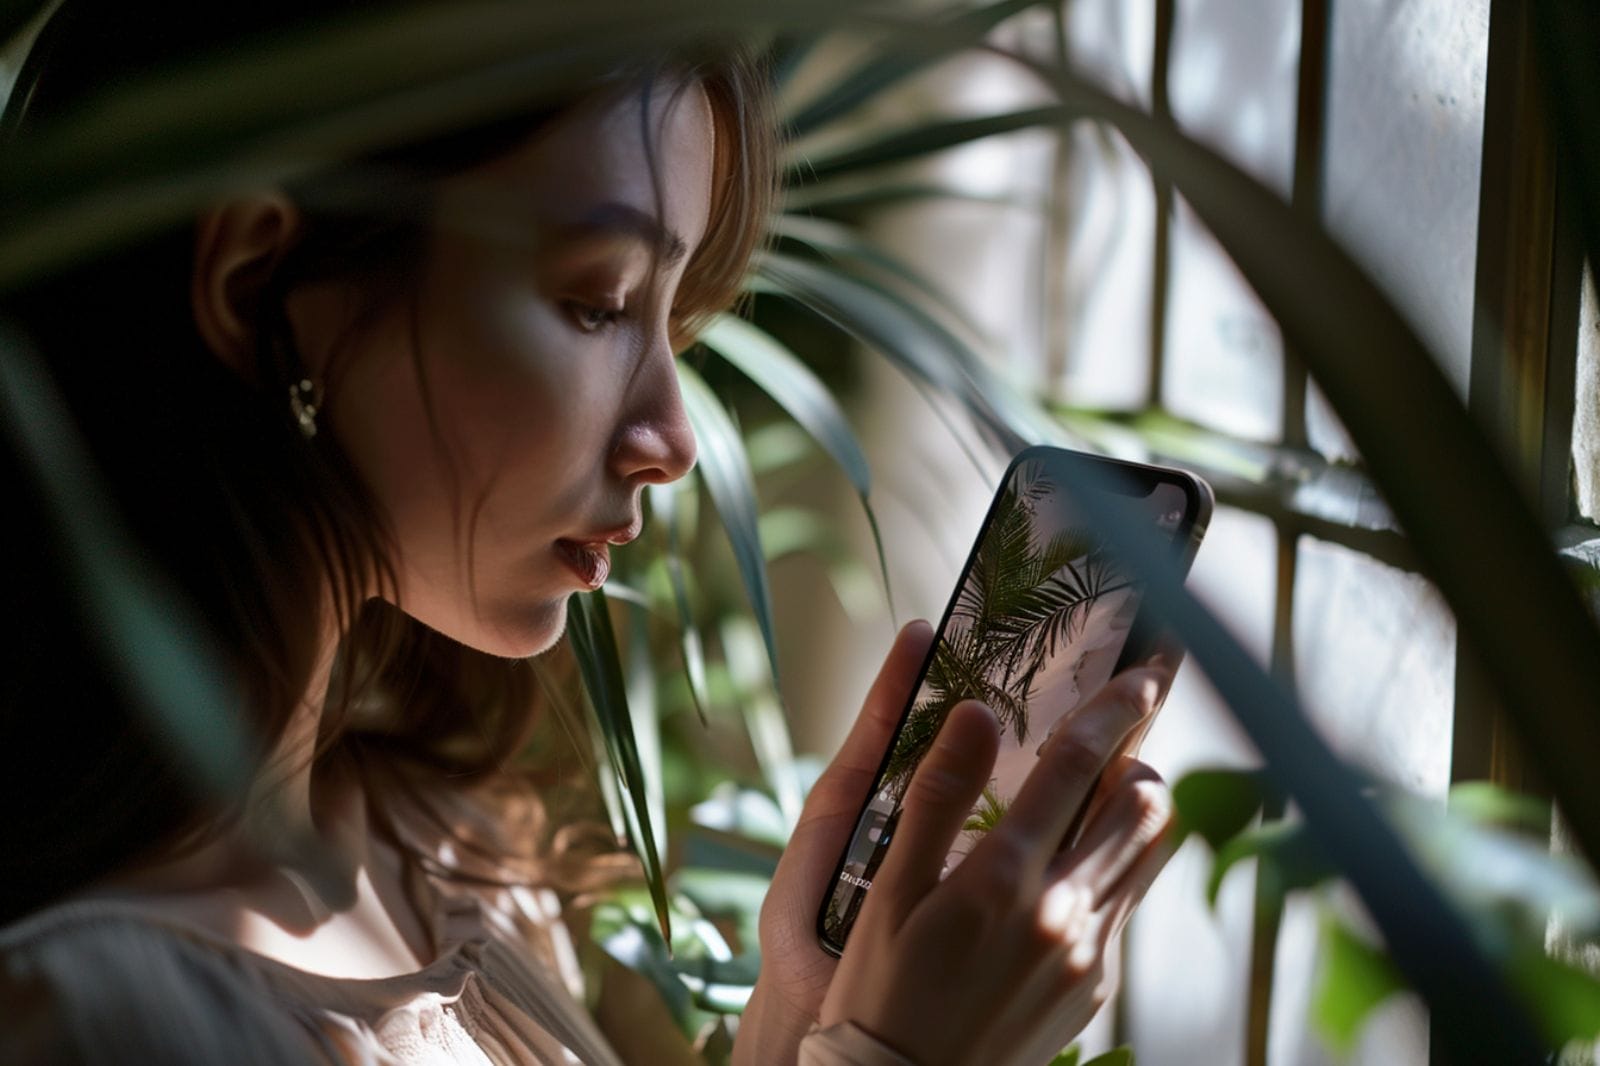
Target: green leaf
848,197
15,19
1218,804
911,339
725,471
794,387
905,145
963,27
839,242
642,712
663,507
1564,999
640,947
1069,1057
1486,803
1288,859
1355,977
595,647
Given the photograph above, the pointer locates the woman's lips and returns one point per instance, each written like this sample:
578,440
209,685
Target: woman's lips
591,562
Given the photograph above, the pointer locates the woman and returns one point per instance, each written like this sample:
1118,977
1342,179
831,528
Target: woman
378,424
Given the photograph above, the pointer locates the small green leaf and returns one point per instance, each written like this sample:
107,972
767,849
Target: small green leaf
1069,1057
1121,1056
1355,978
1485,803
1565,1001
640,948
725,471
1218,804
1288,859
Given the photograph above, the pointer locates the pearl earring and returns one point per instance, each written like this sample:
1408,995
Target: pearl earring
305,399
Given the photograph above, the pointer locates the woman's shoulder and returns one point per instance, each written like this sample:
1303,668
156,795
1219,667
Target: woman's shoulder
100,982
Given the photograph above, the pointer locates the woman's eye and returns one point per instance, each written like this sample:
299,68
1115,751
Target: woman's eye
592,319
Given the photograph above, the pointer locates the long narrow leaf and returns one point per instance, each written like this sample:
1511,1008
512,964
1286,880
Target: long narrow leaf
913,340
642,712
865,82
725,470
904,145
149,152
595,647
835,240
664,509
782,376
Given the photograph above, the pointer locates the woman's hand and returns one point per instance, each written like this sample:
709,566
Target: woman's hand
1004,960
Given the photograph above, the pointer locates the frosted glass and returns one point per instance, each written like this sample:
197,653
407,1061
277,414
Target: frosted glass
1375,649
1111,208
1586,412
1108,273
1404,137
1224,365
1232,82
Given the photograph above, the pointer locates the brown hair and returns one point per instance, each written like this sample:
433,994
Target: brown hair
252,520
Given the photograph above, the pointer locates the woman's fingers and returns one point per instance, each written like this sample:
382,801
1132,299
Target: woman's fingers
1136,815
937,802
1069,765
853,768
831,809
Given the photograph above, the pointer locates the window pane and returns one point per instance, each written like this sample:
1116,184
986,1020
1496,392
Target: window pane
1375,648
1224,355
1586,412
1405,132
1111,207
1232,83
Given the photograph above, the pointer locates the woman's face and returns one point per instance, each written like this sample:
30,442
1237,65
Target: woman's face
509,416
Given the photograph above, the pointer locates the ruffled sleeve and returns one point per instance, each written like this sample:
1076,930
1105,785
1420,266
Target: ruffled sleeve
104,989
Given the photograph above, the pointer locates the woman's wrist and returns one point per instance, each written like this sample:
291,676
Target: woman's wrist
847,1044
769,1034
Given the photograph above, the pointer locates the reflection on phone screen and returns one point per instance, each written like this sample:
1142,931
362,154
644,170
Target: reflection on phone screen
1039,623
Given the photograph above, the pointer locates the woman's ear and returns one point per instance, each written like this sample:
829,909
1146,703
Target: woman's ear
237,248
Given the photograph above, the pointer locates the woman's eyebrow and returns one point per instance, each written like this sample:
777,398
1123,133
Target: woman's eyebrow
619,219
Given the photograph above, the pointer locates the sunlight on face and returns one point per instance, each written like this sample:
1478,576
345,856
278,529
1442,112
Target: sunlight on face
509,417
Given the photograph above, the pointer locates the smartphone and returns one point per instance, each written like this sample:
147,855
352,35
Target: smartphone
1042,617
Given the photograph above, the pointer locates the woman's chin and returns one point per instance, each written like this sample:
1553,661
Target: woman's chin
508,630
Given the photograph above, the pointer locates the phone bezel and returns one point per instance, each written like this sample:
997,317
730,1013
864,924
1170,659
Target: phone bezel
1199,501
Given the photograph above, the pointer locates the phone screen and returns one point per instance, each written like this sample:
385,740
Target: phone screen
1044,614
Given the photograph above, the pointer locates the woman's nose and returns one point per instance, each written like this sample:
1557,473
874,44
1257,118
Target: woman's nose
655,442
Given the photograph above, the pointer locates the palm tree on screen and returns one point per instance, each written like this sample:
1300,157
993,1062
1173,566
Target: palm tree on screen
1022,600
